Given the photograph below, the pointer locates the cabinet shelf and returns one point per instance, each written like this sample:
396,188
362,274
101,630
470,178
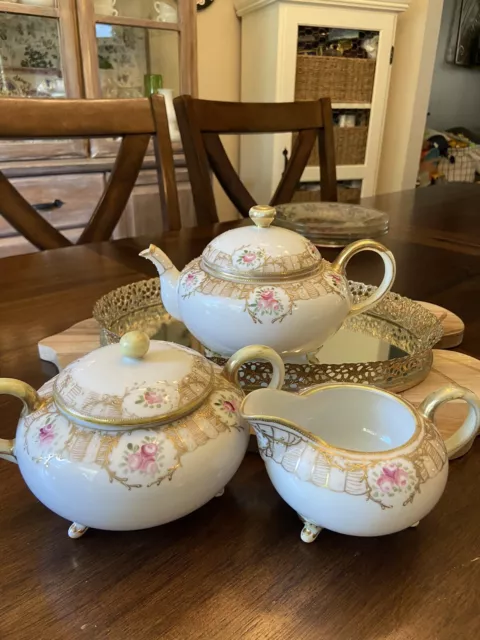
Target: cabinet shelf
351,105
137,22
344,172
29,10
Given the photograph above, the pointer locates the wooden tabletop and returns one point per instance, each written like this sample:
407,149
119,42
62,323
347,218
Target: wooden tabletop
236,568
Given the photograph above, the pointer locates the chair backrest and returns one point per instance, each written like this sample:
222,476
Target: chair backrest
202,121
134,121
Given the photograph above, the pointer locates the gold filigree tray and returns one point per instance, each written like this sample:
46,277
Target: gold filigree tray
389,346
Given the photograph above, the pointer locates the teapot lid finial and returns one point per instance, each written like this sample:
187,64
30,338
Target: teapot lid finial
135,344
262,215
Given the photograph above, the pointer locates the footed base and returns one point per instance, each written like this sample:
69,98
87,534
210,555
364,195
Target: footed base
76,530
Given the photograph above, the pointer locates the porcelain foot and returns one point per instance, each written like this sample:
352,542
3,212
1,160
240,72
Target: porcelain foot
415,524
76,530
220,493
310,532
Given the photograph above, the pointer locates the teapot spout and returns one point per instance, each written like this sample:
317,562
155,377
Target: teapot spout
169,278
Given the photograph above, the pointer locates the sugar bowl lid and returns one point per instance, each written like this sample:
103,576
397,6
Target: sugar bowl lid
137,382
261,252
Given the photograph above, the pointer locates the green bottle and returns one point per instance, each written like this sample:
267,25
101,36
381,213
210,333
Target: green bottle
152,83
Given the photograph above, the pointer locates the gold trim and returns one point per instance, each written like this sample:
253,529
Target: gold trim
348,453
177,414
234,276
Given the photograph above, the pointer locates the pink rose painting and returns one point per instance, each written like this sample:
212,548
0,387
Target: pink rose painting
152,398
143,458
229,406
392,478
268,302
46,434
248,257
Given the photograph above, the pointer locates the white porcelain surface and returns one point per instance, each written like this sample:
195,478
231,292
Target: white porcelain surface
354,459
119,477
264,285
105,384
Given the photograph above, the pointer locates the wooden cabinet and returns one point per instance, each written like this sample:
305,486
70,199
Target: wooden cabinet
90,49
295,50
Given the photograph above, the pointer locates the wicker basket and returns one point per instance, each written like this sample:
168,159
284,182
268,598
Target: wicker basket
350,146
345,194
340,79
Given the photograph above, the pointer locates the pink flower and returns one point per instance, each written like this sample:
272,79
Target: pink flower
248,257
392,476
229,406
267,301
46,434
151,468
336,278
153,397
134,461
149,449
190,277
385,484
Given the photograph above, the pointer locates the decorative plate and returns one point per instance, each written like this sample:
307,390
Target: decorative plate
332,223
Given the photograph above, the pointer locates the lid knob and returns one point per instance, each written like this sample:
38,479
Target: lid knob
262,215
134,344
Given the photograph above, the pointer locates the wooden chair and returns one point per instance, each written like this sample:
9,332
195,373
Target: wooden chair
133,120
202,121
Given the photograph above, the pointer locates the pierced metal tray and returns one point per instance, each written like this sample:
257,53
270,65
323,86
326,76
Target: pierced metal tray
389,346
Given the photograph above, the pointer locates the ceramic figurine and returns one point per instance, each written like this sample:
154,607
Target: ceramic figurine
263,284
132,435
356,459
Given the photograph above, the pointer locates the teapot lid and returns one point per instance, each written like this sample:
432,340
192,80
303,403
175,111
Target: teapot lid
137,382
261,252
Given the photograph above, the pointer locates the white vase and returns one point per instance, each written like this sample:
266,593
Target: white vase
172,118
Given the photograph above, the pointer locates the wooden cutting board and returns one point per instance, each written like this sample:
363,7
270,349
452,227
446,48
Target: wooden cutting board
453,326
448,367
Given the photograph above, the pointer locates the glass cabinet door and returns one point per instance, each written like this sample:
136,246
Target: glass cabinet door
131,48
34,63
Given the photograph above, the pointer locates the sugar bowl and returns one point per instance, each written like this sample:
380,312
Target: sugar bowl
132,435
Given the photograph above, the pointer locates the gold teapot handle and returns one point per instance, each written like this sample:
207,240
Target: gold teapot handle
461,441
31,401
256,352
340,264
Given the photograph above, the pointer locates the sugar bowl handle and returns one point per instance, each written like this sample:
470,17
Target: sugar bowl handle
340,265
256,352
31,401
461,441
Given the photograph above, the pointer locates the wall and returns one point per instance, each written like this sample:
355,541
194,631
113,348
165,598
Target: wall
410,83
218,46
455,97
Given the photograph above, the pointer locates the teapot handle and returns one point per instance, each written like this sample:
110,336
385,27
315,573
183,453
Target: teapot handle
256,352
340,264
31,401
461,441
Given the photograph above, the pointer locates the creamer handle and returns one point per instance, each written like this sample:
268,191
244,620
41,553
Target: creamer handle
340,264
31,401
256,352
461,441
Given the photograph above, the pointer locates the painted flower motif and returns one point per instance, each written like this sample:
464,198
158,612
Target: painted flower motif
46,434
391,479
142,458
248,258
267,302
152,398
226,405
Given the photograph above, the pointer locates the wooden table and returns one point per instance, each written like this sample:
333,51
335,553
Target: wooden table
236,568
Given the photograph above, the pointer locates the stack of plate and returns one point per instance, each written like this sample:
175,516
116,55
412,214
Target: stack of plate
332,224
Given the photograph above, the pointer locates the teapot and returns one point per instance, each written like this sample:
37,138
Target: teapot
355,459
264,284
132,435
